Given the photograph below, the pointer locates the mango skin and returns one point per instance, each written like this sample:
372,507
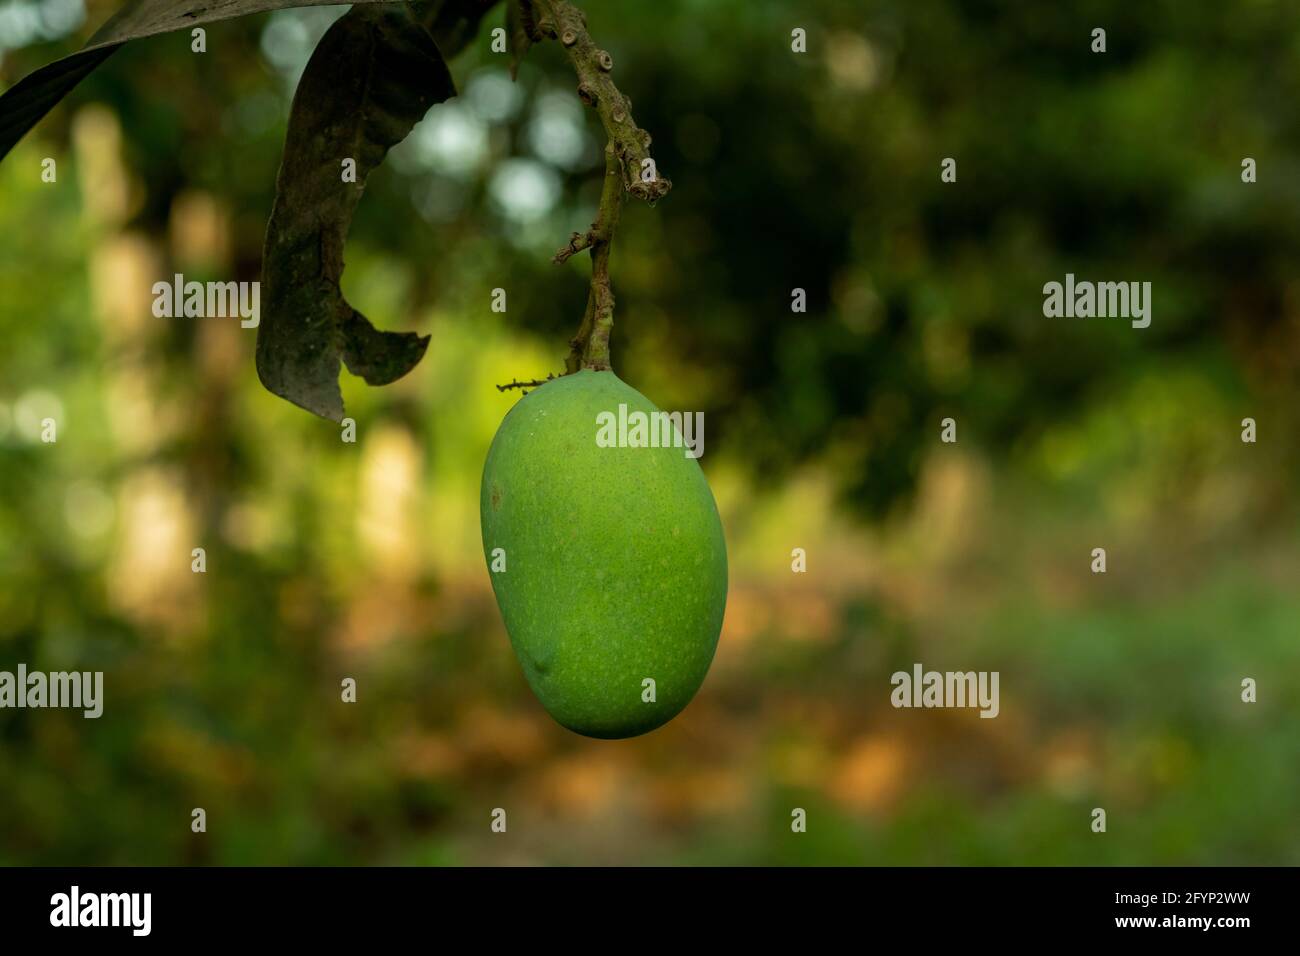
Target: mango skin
616,565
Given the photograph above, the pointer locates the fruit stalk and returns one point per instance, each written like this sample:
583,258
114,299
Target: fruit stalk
590,347
628,169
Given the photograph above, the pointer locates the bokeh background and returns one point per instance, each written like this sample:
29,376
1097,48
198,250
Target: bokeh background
820,171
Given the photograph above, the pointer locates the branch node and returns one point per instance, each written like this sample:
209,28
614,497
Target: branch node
577,242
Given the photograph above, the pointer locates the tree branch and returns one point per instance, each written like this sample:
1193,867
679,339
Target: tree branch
628,169
513,383
561,20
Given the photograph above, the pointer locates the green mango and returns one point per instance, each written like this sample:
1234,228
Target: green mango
608,563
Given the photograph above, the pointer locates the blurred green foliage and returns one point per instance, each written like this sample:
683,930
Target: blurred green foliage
817,171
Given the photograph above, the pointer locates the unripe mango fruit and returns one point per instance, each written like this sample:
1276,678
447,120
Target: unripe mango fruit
615,563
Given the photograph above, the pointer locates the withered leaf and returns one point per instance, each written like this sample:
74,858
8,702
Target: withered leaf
373,76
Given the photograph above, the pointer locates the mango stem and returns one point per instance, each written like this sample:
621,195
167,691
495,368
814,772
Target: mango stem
628,169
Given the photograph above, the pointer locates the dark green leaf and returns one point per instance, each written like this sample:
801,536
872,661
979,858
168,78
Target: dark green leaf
453,23
373,76
521,31
24,104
